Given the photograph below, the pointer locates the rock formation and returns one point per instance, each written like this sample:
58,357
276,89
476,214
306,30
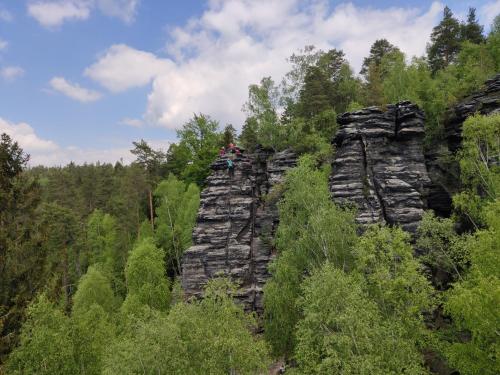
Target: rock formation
380,166
235,225
485,102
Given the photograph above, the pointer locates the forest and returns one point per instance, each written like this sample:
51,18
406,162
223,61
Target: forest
91,255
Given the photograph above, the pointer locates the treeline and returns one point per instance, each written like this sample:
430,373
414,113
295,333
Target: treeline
300,111
90,255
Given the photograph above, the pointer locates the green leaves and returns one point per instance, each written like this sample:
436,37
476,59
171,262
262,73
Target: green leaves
45,343
473,303
344,332
146,280
177,207
312,230
211,336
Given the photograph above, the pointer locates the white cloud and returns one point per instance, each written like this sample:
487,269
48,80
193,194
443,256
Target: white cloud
489,11
5,15
25,135
215,57
3,44
53,13
10,73
123,9
49,153
235,43
134,122
122,67
73,90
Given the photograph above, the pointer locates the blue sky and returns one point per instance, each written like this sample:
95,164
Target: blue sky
81,79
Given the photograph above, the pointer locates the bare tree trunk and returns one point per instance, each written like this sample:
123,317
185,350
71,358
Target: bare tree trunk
151,214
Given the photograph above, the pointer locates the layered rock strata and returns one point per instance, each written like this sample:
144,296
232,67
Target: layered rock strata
235,226
379,165
485,102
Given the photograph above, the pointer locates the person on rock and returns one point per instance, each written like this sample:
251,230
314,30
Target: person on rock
222,151
230,168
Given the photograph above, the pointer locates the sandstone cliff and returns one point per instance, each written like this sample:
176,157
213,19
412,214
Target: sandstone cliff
485,102
380,166
235,226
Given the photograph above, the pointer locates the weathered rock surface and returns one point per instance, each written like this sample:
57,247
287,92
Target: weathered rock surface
443,169
485,102
234,225
380,166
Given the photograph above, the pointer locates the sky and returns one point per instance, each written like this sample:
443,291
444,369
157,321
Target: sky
80,80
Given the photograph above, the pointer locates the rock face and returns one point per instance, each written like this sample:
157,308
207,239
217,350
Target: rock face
485,102
380,166
235,224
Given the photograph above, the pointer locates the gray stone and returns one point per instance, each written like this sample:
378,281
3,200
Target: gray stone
379,166
235,225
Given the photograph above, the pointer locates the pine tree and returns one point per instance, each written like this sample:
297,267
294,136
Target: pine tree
315,94
379,49
21,261
472,31
153,162
445,42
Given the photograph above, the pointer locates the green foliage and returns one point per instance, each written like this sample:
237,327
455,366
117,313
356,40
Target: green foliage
473,303
393,278
45,343
198,146
343,331
105,248
379,49
146,281
479,169
177,207
311,230
21,261
93,289
472,31
92,330
58,230
211,336
228,135
445,42
442,248
262,121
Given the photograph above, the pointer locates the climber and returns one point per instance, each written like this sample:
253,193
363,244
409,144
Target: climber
222,151
230,168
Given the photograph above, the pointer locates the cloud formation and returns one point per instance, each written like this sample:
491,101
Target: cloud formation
122,67
3,44
10,73
53,13
49,153
215,57
73,90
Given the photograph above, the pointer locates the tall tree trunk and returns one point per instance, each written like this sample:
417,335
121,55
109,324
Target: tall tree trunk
151,215
66,278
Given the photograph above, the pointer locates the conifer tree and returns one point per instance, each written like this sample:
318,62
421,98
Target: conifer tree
445,42
472,31
379,49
